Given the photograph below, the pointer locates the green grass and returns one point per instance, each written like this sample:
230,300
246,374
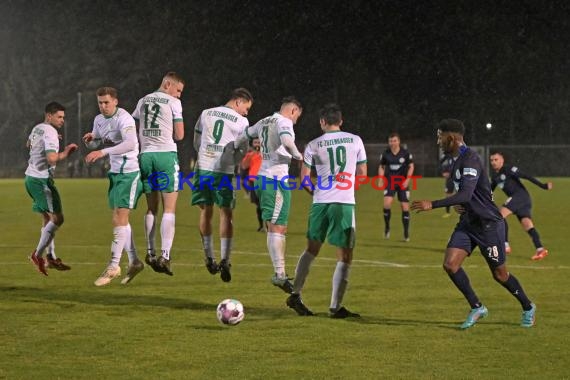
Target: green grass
62,326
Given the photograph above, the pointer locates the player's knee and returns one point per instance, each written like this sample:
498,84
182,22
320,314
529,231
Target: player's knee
57,219
500,276
450,267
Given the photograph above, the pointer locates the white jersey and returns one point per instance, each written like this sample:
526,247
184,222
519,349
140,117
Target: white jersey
218,127
157,112
276,159
333,153
114,130
42,140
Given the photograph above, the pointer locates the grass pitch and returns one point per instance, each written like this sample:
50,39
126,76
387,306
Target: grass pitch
62,326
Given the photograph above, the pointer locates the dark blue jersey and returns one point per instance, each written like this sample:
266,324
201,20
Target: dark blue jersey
396,164
473,190
508,179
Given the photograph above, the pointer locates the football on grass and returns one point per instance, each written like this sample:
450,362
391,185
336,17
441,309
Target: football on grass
230,312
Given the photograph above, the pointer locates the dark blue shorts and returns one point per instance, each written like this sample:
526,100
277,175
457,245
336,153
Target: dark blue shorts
520,205
395,188
490,238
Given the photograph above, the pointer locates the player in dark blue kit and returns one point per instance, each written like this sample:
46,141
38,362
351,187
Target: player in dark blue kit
397,166
508,178
445,164
480,224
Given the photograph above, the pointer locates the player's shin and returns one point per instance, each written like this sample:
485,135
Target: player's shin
276,247
48,233
150,232
167,229
130,245
302,271
339,284
514,287
120,236
462,283
208,246
226,248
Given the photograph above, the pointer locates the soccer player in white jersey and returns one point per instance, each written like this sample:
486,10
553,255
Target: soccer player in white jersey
160,125
277,139
337,156
43,143
216,130
115,130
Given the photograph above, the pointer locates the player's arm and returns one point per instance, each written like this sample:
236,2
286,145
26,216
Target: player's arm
289,143
197,135
463,195
177,120
51,147
240,143
128,143
518,173
362,169
306,166
53,157
409,175
178,130
306,180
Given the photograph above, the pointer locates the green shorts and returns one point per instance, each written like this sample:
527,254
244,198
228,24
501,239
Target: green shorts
44,194
124,190
159,171
274,200
335,220
213,188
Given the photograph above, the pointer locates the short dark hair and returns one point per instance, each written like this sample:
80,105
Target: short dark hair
394,134
112,92
493,152
293,100
173,76
241,93
54,107
331,114
452,125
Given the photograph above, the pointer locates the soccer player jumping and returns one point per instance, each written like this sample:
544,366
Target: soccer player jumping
480,224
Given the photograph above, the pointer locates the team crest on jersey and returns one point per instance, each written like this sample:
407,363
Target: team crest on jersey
503,177
401,160
470,171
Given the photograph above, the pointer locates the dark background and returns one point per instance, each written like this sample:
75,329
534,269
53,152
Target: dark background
391,65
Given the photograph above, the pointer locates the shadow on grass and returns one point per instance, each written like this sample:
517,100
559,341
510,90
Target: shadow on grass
68,299
98,297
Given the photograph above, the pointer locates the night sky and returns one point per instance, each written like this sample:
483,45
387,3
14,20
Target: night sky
391,65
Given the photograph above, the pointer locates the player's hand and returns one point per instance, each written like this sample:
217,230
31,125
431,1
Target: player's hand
420,206
87,137
405,184
94,156
549,185
459,209
71,148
